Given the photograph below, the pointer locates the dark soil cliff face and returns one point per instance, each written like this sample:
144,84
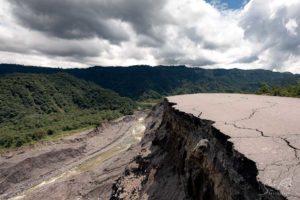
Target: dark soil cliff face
184,157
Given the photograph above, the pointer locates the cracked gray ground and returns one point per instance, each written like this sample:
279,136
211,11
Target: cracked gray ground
265,129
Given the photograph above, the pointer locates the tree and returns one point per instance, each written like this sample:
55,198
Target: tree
264,89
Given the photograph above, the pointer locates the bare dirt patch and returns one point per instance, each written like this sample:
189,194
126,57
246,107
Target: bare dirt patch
80,166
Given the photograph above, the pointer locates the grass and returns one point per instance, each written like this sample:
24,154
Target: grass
147,104
64,134
39,127
51,138
21,132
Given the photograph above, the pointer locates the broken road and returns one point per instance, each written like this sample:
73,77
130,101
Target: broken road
265,129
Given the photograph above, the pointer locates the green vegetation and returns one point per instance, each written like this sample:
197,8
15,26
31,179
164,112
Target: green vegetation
148,104
34,107
287,91
42,102
144,82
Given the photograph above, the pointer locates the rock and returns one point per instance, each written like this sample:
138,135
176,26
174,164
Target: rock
8,155
202,145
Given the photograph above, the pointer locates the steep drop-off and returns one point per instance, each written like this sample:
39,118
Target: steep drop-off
185,157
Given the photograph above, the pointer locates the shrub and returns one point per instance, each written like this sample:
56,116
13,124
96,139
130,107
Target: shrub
50,132
38,135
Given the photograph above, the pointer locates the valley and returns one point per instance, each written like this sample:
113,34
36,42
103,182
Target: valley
63,136
150,100
81,166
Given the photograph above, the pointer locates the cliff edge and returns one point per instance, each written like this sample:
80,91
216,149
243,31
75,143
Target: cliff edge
217,146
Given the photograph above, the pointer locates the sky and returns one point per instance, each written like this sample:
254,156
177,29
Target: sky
254,34
228,4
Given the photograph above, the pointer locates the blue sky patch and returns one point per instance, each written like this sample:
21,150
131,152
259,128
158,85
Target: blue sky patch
228,4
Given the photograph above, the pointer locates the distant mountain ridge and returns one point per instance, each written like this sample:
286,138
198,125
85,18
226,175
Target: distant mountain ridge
142,82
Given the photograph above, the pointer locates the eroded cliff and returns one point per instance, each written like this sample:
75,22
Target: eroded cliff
186,157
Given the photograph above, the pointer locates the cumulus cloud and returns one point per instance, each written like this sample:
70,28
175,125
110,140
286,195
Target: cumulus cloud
75,19
263,34
272,27
292,26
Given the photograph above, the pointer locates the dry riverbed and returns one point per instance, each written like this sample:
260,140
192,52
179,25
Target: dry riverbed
81,166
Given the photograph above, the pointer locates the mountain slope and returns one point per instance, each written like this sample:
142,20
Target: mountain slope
140,82
34,104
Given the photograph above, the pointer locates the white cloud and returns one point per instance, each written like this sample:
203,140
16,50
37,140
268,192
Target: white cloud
264,34
270,26
292,26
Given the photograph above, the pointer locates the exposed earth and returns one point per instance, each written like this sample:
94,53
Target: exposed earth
191,147
81,166
217,146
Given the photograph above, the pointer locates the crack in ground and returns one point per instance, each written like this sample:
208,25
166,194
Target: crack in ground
291,146
263,135
261,132
245,128
256,110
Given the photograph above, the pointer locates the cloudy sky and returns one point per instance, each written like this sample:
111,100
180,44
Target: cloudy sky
202,33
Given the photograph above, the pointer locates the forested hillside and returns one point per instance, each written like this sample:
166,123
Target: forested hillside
144,82
38,102
36,105
285,91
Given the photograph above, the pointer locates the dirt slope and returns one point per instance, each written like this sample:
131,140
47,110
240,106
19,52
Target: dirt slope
81,166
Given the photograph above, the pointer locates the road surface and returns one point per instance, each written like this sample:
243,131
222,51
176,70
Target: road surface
265,129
